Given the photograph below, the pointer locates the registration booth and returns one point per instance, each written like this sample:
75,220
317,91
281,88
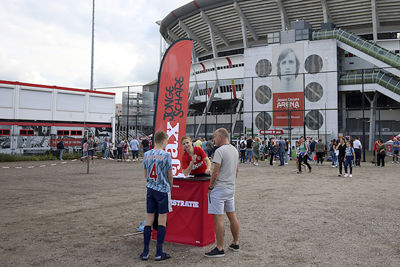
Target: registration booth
189,222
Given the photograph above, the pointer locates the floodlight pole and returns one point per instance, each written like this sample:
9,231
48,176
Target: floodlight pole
91,76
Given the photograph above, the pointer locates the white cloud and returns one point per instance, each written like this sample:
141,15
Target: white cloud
49,41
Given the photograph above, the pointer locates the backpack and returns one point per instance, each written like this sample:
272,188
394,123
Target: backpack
59,145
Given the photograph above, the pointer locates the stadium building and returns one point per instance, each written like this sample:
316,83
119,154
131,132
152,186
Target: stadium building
315,68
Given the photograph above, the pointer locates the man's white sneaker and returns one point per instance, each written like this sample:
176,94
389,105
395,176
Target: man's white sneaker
351,175
346,175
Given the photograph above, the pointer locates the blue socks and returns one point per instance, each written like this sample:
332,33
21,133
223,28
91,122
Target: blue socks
147,237
160,239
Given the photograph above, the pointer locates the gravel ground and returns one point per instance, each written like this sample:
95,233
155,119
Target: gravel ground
61,216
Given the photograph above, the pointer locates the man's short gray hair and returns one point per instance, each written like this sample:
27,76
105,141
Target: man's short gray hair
223,132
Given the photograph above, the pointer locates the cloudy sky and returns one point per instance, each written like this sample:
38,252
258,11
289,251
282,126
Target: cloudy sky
49,41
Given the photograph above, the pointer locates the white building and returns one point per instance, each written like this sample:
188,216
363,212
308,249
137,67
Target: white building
33,117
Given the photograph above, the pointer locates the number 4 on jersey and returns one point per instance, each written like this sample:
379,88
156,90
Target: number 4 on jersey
153,173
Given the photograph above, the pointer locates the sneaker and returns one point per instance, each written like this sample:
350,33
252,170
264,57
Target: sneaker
234,247
340,175
164,256
333,166
298,172
346,175
309,170
144,257
351,175
392,162
215,253
255,164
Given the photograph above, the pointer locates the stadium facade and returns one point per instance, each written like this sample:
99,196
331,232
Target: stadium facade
319,68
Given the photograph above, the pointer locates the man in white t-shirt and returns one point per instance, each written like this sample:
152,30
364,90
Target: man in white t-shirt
134,144
357,150
221,192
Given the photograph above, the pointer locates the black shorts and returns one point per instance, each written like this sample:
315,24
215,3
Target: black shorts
396,152
158,201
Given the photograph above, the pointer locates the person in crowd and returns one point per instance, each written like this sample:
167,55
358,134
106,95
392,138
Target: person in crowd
60,147
262,148
83,140
281,150
312,149
303,155
204,144
106,148
249,149
287,153
120,150
126,150
222,192
145,145
157,165
85,149
381,153
376,144
134,145
194,160
341,147
350,157
256,150
396,146
320,151
242,149
198,142
271,150
91,147
332,152
209,147
357,149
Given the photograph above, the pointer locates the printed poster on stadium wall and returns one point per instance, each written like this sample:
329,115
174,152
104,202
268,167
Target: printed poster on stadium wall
172,95
287,85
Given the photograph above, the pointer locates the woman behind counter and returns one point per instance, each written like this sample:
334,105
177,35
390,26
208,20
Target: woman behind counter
194,160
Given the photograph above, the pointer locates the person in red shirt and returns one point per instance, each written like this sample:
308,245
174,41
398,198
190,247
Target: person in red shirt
194,160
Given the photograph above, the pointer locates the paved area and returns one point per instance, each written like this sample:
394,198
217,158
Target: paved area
59,215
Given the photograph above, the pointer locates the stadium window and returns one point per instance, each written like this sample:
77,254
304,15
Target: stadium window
25,132
62,132
4,132
76,132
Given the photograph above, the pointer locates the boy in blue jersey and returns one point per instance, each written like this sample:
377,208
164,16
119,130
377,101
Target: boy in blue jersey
157,166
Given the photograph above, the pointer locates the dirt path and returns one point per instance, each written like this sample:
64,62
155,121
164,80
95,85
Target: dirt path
59,215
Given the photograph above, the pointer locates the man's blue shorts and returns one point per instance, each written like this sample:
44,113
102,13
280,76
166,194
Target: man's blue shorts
158,201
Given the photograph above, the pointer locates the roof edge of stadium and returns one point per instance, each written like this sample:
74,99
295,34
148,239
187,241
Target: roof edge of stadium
188,10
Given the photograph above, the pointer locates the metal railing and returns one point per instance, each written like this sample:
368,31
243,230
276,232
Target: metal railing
357,42
372,76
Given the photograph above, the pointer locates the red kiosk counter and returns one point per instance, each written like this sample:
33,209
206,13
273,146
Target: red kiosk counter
189,222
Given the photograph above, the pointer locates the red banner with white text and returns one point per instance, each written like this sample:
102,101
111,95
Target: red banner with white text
288,109
172,97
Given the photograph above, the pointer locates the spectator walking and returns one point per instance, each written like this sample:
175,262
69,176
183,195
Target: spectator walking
256,150
396,146
222,192
120,150
341,147
381,153
271,150
106,146
60,147
134,144
281,150
287,153
91,147
83,140
249,149
332,152
303,155
85,149
357,149
320,151
242,148
350,157
312,150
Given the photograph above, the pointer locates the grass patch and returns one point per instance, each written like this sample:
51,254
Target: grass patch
13,158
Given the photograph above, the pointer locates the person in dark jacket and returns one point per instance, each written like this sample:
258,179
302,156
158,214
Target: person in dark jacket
60,147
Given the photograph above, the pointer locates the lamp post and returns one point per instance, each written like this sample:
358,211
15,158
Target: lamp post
91,75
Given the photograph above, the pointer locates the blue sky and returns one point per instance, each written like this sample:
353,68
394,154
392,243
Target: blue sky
49,41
